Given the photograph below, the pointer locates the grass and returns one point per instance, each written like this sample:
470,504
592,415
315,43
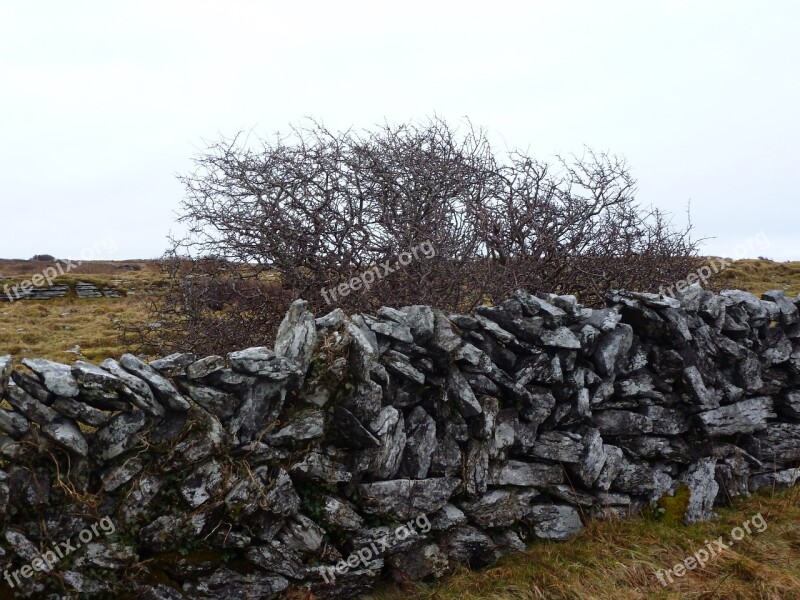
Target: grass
760,275
618,559
52,328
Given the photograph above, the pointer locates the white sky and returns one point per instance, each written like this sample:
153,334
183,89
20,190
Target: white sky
103,103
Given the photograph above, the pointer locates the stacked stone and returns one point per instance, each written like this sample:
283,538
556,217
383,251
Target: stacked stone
249,474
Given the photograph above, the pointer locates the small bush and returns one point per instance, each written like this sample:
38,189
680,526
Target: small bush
317,208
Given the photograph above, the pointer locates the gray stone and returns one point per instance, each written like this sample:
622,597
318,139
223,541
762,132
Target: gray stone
56,377
297,335
119,435
554,521
611,348
621,422
420,444
163,389
66,433
467,545
341,514
746,416
703,490
206,366
222,405
79,411
462,394
525,474
448,517
5,373
406,498
420,563
174,363
304,429
14,424
399,364
499,508
559,446
225,583
135,390
389,429
321,468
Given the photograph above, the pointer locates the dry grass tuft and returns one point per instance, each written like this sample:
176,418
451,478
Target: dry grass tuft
618,559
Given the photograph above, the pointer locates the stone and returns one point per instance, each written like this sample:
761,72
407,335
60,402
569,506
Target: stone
777,445
420,444
467,545
620,422
462,394
697,390
389,428
341,514
67,434
476,468
163,389
448,517
499,508
263,362
611,348
30,407
174,363
222,405
225,583
554,521
399,364
14,424
525,474
297,335
261,403
304,429
746,416
118,475
119,435
788,405
348,432
403,499
5,373
703,489
559,446
323,469
302,535
421,563
79,411
134,389
206,366
56,377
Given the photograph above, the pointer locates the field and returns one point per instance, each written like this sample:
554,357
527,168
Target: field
53,328
610,560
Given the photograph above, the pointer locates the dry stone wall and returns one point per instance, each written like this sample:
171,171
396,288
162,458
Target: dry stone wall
430,439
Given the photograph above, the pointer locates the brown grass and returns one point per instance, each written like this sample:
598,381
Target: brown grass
618,559
51,328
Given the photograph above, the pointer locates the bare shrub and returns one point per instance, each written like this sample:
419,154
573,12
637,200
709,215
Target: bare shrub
315,208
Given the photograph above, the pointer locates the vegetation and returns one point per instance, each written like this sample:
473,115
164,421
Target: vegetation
314,209
618,559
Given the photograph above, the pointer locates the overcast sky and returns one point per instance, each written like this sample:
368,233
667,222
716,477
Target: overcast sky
103,103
